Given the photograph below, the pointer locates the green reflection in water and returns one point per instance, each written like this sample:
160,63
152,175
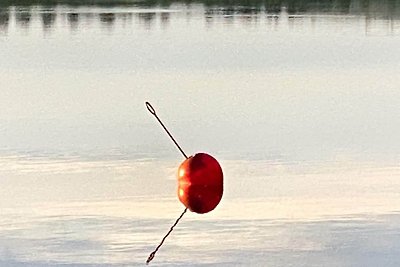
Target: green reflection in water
386,10
273,5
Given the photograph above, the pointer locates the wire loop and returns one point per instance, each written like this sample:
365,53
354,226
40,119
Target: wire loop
150,108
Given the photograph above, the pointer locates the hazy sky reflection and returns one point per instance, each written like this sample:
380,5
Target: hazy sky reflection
299,105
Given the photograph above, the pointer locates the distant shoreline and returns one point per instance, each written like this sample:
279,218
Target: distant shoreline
293,6
372,8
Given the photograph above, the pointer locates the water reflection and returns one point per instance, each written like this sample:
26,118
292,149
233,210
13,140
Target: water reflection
107,18
23,18
70,236
147,19
73,19
125,17
4,20
242,11
48,19
165,18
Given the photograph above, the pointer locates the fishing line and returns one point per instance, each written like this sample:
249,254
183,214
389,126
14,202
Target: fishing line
153,112
151,256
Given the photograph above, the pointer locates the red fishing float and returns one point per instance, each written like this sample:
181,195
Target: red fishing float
200,182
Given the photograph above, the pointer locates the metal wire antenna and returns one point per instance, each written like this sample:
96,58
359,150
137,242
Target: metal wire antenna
153,112
151,256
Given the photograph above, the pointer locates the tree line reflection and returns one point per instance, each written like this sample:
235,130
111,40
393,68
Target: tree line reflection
23,11
271,5
48,19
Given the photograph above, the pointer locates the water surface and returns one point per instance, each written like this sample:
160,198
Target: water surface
298,100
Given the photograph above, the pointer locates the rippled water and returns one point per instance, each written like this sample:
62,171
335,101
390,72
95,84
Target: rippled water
298,101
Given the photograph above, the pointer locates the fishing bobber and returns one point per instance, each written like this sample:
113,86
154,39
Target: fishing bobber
200,183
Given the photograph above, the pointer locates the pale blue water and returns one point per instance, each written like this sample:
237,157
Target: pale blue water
301,108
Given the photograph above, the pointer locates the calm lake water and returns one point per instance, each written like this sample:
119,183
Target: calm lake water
298,100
